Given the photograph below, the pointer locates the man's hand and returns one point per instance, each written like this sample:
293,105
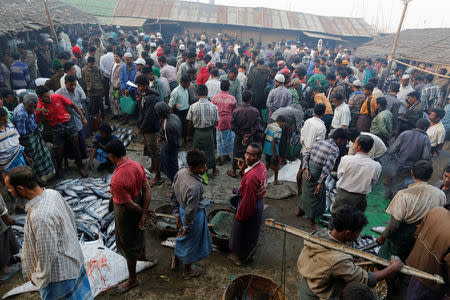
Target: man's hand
245,139
317,190
380,240
241,164
126,92
8,220
143,221
308,175
396,263
181,232
84,121
178,223
29,161
188,139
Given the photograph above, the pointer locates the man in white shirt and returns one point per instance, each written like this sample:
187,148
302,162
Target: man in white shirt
378,148
436,131
342,115
356,175
402,95
314,128
106,62
213,83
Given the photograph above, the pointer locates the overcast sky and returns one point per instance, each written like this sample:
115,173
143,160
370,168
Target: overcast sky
383,14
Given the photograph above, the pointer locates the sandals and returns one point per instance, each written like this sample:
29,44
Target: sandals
194,273
17,267
157,183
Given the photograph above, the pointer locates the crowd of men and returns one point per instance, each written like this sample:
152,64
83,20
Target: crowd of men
346,118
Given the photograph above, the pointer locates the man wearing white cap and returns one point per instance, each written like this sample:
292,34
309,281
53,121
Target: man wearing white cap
128,73
402,95
153,55
279,96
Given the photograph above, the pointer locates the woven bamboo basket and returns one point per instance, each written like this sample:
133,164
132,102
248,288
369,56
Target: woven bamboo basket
216,240
163,232
253,287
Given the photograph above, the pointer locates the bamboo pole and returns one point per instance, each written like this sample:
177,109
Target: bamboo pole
394,46
354,252
52,28
420,69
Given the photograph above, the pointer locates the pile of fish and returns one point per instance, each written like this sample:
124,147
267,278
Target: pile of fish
366,243
89,200
124,134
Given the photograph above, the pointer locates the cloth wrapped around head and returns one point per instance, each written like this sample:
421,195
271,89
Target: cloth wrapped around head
162,110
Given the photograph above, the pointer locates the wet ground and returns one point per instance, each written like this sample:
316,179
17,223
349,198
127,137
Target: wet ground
161,283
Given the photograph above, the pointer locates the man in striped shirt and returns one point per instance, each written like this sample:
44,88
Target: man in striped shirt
317,165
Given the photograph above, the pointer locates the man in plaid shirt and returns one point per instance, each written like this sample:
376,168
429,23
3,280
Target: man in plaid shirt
318,161
51,255
203,116
431,94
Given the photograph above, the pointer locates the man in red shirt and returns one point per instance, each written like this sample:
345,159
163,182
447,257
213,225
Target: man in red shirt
248,217
131,197
55,110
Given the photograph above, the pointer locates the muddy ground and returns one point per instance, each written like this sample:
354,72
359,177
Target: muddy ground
161,283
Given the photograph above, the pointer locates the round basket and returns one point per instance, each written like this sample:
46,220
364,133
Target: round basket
216,240
380,290
163,232
253,287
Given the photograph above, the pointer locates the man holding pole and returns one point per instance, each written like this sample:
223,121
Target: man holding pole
332,269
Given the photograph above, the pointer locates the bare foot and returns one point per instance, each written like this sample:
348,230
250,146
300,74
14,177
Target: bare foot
276,182
300,212
232,173
216,172
125,286
235,259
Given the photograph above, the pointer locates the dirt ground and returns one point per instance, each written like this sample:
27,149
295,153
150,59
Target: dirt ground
161,283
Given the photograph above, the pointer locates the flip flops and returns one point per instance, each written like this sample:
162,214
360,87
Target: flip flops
157,183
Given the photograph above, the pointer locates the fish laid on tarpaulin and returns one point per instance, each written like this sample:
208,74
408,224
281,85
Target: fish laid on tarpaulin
104,268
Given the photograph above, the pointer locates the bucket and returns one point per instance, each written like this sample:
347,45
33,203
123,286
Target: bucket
128,105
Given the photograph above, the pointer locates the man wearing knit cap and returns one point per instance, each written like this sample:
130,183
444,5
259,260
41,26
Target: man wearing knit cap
279,96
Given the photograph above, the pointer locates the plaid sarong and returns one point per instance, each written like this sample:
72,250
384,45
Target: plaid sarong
73,289
225,142
36,149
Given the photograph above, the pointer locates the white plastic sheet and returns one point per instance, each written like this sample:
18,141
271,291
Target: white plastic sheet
288,172
104,268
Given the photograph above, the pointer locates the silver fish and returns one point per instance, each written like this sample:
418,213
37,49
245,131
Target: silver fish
111,228
93,214
126,144
99,193
130,131
77,188
88,198
70,192
17,228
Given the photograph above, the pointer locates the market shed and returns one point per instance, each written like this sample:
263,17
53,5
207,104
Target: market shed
20,16
429,46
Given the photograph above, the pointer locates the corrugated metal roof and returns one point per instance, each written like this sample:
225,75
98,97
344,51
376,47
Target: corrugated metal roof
322,36
194,12
127,22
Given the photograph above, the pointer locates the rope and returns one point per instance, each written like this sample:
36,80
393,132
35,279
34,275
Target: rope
283,263
260,259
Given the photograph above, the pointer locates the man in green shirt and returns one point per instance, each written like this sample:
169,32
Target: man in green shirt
318,79
382,123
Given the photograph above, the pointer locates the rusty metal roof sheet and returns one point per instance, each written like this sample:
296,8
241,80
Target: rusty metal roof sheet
195,12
